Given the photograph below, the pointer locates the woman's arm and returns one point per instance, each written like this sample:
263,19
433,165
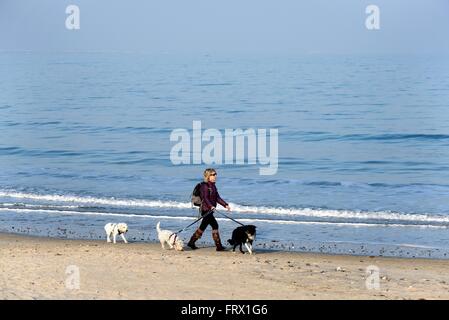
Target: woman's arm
221,201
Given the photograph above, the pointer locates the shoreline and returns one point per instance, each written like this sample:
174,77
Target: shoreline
258,247
35,268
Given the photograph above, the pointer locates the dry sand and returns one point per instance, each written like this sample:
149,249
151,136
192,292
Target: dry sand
35,268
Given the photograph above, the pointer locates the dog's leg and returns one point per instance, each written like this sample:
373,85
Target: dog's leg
123,237
108,238
241,250
162,244
114,237
249,248
233,249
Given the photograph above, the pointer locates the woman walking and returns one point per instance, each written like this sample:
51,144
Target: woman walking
209,199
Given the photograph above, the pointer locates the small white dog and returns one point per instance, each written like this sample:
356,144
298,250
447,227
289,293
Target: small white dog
171,238
114,229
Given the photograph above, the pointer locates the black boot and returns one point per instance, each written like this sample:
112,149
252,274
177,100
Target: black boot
194,238
216,237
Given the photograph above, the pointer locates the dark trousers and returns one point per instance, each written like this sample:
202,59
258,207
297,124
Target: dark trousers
208,220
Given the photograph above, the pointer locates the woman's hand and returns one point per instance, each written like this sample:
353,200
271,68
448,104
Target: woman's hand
228,208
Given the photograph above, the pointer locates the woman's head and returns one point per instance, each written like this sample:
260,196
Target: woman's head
210,175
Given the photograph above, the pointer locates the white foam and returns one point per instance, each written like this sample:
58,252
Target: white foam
5,204
96,201
249,221
59,212
348,214
264,210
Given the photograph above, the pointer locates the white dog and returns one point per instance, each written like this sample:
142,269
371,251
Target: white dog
171,238
114,229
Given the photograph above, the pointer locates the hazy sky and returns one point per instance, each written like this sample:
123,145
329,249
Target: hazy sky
282,26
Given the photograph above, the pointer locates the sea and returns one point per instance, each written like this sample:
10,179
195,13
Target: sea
363,147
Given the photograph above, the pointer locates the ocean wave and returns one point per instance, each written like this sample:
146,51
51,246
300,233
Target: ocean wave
321,136
324,183
93,200
346,214
350,215
399,136
247,220
213,84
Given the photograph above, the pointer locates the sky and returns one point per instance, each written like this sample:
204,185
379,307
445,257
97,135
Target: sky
208,26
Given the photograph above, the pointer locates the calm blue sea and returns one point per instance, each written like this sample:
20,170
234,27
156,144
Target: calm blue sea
363,147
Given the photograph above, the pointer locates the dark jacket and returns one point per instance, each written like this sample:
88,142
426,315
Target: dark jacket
210,197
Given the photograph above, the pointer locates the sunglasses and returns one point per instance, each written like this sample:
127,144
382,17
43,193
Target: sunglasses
213,174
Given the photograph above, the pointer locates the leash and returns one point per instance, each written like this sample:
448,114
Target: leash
183,229
229,217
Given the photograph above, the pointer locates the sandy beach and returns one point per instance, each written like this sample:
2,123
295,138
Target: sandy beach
35,268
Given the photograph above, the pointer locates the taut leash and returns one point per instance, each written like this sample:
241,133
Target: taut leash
229,217
183,229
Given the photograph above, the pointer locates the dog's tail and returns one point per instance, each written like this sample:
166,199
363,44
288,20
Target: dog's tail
158,227
231,242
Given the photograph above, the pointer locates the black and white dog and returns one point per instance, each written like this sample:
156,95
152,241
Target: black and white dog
243,235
